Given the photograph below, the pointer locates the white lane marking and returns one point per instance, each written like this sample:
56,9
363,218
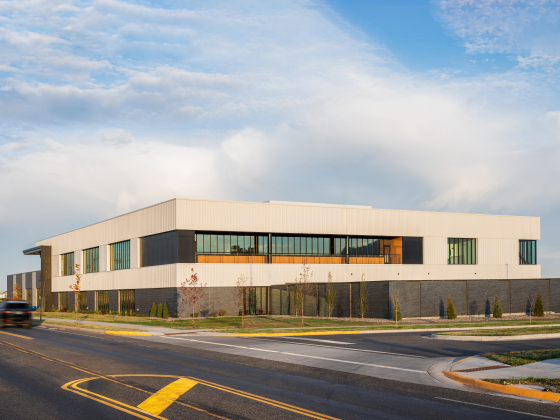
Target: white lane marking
339,348
496,408
316,339
300,355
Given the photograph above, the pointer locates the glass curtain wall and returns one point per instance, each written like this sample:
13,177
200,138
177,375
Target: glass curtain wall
461,251
67,264
527,252
120,255
91,260
209,243
83,302
369,246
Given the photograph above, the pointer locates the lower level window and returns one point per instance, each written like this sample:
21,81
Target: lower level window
83,302
527,252
63,300
126,301
461,251
102,300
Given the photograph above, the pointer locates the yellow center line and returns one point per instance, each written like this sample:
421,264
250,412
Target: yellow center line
166,396
17,335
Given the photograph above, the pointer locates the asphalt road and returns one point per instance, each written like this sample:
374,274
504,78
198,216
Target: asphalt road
57,374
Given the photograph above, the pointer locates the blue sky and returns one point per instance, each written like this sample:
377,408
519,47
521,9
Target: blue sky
108,106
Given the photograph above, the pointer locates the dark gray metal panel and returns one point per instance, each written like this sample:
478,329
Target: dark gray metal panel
408,293
412,250
522,291
71,301
19,281
91,301
46,276
186,247
113,300
555,295
435,294
10,285
145,297
379,298
159,249
481,295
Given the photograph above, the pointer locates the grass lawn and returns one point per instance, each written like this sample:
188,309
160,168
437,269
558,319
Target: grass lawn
91,327
519,358
506,332
277,324
549,385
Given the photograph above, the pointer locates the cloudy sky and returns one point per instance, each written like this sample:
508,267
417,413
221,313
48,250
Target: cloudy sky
109,106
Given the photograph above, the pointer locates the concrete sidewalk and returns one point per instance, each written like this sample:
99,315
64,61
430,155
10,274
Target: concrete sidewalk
490,369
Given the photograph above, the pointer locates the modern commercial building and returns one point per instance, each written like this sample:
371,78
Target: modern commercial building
143,257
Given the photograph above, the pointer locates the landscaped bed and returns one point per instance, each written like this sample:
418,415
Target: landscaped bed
91,327
548,384
519,358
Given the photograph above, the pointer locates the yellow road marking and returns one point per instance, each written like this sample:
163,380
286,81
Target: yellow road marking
126,333
17,335
166,396
287,334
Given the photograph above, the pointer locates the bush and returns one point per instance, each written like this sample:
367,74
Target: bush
214,314
539,307
103,312
497,308
64,310
450,308
223,313
196,314
165,311
397,314
153,310
260,312
159,311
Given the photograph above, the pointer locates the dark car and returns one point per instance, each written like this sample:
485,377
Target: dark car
15,313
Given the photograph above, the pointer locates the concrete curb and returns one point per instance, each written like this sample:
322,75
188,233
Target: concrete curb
495,338
287,334
520,392
127,333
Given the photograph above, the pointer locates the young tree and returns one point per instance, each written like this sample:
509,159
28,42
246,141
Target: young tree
539,306
330,296
75,287
397,314
17,294
302,288
497,308
363,297
450,308
193,291
297,298
165,311
160,311
243,286
531,303
153,310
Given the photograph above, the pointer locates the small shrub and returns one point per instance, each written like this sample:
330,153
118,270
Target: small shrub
103,312
450,308
223,313
64,310
196,314
160,311
142,315
165,311
153,310
214,314
260,312
497,308
397,314
539,307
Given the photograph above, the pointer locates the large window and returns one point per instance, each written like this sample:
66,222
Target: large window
91,260
120,255
527,252
82,306
209,243
127,301
301,245
63,300
369,246
461,251
67,264
102,300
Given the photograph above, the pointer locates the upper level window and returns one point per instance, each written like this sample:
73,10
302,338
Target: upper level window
301,245
369,246
91,260
461,251
120,255
527,252
209,243
67,264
